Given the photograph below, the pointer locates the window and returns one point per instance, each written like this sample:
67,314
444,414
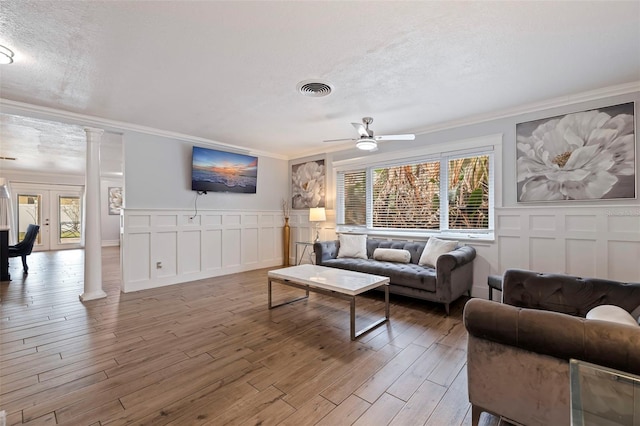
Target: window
468,193
450,193
352,189
69,223
407,197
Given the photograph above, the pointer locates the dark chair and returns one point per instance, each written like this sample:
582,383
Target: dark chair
24,247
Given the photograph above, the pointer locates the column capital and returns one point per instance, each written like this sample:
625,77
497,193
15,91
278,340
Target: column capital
93,130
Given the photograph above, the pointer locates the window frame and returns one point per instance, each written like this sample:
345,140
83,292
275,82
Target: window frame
489,146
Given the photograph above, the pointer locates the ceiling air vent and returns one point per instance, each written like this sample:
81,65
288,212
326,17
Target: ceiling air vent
314,88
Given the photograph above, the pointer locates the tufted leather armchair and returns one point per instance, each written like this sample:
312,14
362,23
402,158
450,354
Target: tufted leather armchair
518,352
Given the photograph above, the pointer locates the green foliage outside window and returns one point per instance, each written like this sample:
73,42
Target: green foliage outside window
408,196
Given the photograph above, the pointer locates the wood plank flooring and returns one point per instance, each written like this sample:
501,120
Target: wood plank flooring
209,352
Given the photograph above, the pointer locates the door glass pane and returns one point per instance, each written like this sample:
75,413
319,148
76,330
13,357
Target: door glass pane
29,211
69,223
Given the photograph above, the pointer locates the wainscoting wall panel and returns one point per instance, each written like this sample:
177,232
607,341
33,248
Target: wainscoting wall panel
581,256
212,250
190,264
164,249
601,241
188,247
598,241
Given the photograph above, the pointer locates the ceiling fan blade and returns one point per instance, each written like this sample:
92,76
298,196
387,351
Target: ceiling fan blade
362,131
407,137
339,140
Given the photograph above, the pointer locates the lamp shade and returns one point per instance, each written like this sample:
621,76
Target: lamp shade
317,214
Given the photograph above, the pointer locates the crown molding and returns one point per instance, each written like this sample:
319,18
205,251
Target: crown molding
591,95
14,107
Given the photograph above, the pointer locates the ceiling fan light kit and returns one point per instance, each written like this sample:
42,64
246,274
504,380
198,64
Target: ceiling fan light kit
366,144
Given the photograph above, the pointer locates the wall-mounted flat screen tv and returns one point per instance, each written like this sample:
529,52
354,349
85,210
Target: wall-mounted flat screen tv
220,171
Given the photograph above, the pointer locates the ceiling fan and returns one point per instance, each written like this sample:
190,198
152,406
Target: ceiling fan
367,141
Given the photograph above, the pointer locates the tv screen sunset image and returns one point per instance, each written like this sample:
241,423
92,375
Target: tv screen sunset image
220,171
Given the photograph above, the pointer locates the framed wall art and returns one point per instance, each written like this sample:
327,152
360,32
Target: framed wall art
115,199
587,155
308,183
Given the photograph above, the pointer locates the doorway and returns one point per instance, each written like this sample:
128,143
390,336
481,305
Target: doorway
56,208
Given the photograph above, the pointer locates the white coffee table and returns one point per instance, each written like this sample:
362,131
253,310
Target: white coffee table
334,282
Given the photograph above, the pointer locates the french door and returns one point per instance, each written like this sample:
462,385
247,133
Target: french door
58,211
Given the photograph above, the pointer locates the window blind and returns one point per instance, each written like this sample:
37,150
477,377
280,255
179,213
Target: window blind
468,192
406,197
352,196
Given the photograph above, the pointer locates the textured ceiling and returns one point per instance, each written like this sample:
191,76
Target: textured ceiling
227,71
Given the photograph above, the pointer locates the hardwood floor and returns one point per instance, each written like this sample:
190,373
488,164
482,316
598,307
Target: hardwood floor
210,352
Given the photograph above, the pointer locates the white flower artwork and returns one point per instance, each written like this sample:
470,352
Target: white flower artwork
588,155
115,199
308,184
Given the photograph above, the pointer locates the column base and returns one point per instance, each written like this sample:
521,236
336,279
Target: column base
92,296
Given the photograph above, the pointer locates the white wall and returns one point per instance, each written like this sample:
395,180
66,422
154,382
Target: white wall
110,223
158,176
588,238
229,233
163,247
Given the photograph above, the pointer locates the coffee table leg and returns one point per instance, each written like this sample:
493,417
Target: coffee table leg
355,334
386,301
269,297
353,318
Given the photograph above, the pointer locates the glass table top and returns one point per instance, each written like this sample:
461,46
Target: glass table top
601,396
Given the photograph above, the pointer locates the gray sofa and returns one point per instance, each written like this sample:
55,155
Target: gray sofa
518,351
452,277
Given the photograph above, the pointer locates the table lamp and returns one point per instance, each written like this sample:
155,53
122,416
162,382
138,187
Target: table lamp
317,214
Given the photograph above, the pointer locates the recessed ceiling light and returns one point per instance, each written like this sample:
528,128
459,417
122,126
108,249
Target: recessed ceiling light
314,88
6,55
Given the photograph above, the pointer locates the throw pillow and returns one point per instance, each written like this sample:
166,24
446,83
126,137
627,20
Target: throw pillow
434,248
611,313
392,255
353,246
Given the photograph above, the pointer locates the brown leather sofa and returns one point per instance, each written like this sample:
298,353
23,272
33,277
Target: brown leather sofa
518,351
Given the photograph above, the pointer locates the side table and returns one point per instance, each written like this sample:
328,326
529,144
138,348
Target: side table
495,283
304,245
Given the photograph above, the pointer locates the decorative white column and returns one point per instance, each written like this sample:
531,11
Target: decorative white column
92,223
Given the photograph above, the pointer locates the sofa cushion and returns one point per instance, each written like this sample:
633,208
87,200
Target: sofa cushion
434,248
352,246
405,274
414,247
611,313
392,255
